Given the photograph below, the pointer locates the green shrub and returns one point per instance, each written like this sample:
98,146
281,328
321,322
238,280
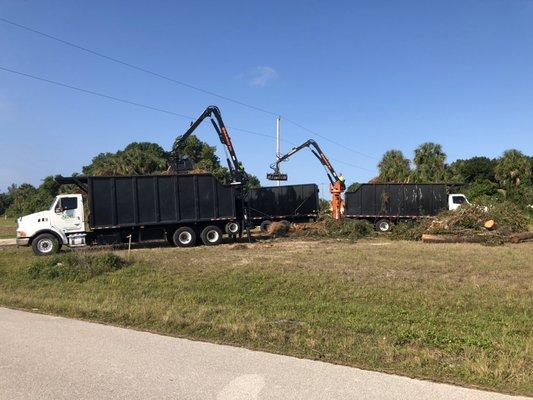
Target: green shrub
75,267
409,230
347,228
480,189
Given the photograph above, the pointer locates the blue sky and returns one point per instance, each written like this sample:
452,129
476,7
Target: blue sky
371,75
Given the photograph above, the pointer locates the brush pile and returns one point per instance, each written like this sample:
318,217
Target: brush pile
494,224
329,228
279,228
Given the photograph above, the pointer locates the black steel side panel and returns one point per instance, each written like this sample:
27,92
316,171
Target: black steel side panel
162,199
395,200
124,191
284,201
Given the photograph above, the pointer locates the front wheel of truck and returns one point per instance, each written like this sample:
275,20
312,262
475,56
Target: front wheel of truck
45,244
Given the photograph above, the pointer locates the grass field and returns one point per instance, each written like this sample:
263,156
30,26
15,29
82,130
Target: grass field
8,228
459,313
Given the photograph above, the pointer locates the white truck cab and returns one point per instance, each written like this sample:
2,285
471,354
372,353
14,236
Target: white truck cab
47,231
455,200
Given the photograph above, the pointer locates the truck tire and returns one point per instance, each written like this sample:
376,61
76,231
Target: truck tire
184,237
383,225
211,235
264,226
45,244
232,228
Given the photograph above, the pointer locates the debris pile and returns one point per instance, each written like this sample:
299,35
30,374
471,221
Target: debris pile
326,227
492,224
504,217
410,230
278,229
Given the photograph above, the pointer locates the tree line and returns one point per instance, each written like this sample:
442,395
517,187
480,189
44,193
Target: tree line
508,177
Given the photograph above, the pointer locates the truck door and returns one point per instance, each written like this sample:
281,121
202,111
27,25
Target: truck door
68,214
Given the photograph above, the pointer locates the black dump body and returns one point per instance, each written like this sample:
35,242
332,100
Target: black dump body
290,202
130,201
396,200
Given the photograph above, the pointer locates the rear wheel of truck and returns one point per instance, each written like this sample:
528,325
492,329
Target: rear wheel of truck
184,237
232,228
211,235
45,244
264,226
383,225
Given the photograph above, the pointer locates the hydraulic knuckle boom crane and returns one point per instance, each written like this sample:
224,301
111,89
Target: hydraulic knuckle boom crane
178,162
337,185
239,178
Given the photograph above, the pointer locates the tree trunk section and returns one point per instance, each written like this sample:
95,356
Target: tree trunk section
520,237
427,238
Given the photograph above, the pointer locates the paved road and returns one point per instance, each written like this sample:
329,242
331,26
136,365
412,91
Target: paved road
8,242
45,357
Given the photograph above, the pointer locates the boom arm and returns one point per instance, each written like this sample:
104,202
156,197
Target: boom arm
238,175
336,186
317,151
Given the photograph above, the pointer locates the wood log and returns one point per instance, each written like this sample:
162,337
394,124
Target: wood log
428,238
490,224
520,237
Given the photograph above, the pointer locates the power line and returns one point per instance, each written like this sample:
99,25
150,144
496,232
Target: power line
118,99
328,139
137,104
182,83
129,65
351,165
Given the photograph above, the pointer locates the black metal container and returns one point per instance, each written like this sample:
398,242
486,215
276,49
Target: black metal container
291,202
396,200
129,201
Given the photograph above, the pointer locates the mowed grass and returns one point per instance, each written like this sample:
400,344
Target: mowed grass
8,228
458,313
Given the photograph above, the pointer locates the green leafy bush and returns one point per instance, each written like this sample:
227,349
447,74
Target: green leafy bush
409,230
347,228
75,267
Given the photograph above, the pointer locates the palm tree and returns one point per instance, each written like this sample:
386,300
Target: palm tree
513,168
394,167
430,163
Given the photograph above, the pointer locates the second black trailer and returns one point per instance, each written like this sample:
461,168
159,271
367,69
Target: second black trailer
386,203
292,203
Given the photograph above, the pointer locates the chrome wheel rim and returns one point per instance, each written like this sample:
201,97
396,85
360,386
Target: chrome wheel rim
185,237
384,226
212,236
45,245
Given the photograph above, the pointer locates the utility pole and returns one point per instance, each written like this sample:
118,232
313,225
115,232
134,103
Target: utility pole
278,140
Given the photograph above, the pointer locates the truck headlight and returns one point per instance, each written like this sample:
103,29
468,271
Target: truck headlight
21,234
